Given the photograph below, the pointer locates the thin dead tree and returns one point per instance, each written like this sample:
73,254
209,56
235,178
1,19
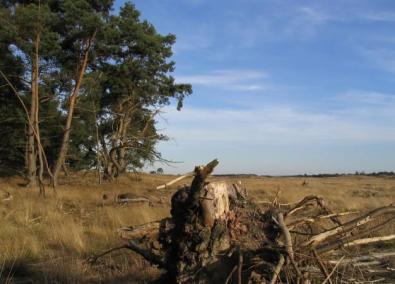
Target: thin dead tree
71,107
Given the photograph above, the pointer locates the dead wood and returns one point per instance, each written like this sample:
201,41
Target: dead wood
333,270
343,242
138,232
369,241
364,258
277,270
123,198
239,267
314,241
211,221
147,255
322,267
166,185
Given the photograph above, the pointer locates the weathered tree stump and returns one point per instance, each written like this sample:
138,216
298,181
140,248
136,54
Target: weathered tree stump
217,235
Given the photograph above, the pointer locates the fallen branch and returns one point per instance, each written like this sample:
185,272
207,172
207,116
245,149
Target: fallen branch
131,233
342,242
314,241
370,257
163,186
369,241
229,277
322,267
133,200
147,255
320,203
277,269
239,268
333,270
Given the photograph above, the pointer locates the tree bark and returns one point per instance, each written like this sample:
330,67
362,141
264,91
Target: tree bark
36,126
31,148
33,142
72,102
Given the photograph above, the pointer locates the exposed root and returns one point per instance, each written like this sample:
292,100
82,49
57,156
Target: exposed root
283,243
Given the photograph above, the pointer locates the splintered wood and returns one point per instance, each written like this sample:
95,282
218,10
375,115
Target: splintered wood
214,203
216,234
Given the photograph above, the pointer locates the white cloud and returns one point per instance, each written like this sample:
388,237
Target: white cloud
282,124
313,15
237,80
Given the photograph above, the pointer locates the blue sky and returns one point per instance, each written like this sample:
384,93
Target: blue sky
280,87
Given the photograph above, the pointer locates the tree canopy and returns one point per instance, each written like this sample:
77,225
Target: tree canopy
92,83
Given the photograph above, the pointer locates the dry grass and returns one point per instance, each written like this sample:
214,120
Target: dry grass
47,240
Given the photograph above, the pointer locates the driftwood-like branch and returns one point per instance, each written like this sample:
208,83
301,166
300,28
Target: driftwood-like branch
288,242
147,255
229,277
371,257
369,241
342,242
322,267
240,267
309,200
277,269
133,233
333,271
286,234
310,220
133,200
314,241
163,186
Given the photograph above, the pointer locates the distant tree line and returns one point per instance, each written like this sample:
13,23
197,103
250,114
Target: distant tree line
361,173
81,88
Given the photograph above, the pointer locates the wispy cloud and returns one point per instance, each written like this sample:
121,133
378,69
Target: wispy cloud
313,14
368,97
380,57
379,16
283,124
238,80
191,43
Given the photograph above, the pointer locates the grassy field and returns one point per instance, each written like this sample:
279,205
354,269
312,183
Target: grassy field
48,240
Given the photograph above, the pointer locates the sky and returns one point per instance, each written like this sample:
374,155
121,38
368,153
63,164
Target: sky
280,87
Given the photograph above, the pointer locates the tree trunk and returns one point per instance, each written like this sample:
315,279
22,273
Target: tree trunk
72,101
35,84
33,124
31,153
